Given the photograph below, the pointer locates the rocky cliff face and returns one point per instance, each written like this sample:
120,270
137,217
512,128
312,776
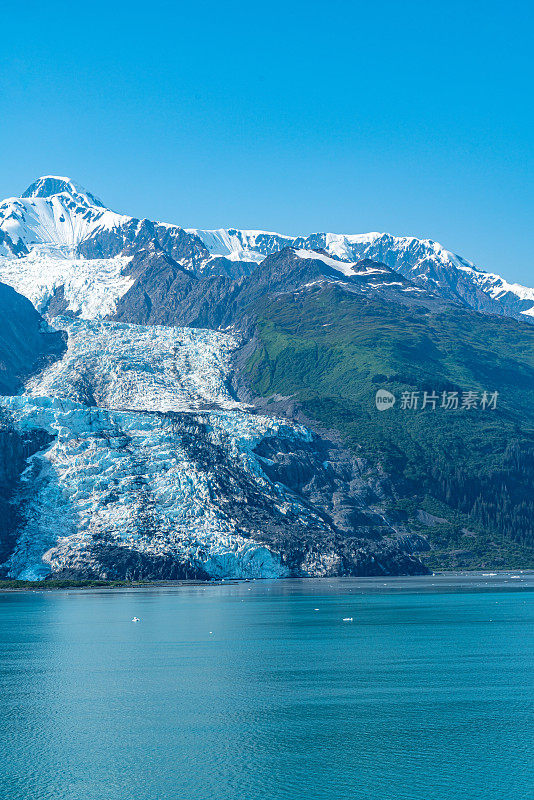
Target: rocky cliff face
165,293
133,235
16,448
27,343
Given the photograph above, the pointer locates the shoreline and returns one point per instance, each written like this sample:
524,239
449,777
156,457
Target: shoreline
67,584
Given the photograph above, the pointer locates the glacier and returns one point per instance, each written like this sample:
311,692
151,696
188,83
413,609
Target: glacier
90,287
135,367
128,478
124,469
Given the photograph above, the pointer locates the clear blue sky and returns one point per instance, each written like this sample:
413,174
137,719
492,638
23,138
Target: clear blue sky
409,117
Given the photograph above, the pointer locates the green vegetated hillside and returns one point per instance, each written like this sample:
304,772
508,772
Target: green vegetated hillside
470,471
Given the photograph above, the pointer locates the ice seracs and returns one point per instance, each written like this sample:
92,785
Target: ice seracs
137,367
115,486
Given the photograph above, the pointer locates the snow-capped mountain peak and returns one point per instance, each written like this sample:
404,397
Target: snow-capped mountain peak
50,185
54,215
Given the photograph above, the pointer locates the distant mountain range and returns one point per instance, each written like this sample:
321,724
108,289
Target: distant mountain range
56,218
191,403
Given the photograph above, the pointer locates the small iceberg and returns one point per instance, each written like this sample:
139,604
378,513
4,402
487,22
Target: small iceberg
136,619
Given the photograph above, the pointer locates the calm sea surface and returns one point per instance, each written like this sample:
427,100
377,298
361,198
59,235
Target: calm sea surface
261,691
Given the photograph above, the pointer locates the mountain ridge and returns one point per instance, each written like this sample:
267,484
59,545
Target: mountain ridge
66,221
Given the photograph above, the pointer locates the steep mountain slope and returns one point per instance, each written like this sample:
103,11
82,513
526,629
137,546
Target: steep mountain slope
165,293
27,344
463,473
67,220
61,248
54,212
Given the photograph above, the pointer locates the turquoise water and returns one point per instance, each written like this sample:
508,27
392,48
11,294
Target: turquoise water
246,692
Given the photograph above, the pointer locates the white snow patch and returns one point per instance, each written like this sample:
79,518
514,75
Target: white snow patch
238,245
58,222
341,266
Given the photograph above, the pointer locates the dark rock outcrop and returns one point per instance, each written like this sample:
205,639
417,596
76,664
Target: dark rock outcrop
135,235
15,449
26,342
165,293
26,345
